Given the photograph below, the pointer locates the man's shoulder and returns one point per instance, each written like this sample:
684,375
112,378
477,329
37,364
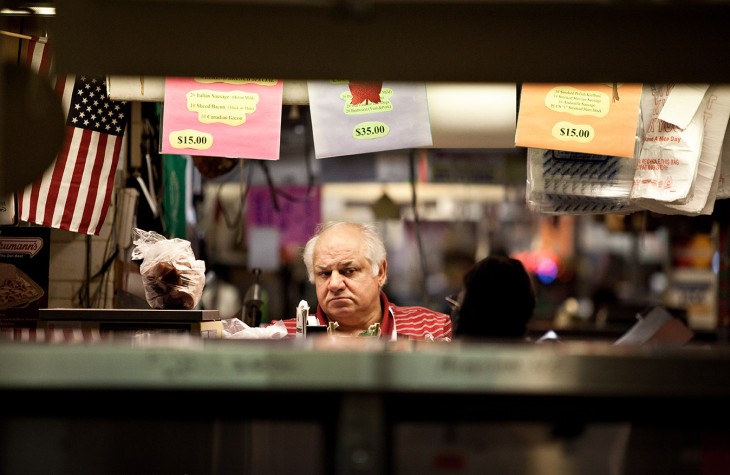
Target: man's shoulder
420,322
417,312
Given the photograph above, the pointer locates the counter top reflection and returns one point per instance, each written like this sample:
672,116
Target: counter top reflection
182,362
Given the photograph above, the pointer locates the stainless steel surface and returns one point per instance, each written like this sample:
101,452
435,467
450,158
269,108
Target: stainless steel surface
210,406
325,364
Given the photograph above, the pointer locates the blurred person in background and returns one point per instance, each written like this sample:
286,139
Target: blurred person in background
497,300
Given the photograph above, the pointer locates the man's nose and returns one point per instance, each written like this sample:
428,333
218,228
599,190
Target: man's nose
336,280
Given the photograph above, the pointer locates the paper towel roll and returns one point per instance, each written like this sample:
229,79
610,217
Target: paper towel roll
472,115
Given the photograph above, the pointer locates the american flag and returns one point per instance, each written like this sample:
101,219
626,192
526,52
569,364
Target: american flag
75,192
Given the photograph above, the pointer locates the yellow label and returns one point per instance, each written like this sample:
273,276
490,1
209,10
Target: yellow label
569,132
370,130
578,102
190,138
222,107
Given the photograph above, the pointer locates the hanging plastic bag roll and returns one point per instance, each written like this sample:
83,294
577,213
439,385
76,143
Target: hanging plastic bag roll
715,109
670,155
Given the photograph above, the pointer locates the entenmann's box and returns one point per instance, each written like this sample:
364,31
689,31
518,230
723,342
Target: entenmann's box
24,268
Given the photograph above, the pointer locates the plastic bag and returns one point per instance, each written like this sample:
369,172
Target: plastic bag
172,277
561,182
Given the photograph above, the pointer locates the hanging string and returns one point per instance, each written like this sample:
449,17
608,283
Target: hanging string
417,221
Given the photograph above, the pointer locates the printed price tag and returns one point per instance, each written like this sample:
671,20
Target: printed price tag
222,117
599,119
354,117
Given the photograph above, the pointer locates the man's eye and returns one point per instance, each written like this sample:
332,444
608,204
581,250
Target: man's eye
349,271
324,274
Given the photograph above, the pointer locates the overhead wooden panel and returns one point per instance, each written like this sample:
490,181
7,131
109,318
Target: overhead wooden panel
439,40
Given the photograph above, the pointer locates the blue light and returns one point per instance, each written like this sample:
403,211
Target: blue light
546,270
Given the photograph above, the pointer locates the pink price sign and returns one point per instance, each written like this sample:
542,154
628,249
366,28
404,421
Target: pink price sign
222,117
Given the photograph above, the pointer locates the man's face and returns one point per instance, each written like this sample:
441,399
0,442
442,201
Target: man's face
346,289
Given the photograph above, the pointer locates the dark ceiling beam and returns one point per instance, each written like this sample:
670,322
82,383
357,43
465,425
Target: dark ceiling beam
483,41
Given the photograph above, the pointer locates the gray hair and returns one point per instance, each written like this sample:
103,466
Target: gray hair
374,247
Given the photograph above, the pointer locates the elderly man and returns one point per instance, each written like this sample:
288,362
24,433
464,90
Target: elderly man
347,264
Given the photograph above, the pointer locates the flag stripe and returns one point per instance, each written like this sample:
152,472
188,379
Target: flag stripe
95,172
92,174
38,55
57,187
103,200
81,144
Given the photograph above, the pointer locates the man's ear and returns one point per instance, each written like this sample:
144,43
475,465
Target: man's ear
383,273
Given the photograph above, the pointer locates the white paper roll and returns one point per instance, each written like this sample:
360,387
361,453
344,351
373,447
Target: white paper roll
472,115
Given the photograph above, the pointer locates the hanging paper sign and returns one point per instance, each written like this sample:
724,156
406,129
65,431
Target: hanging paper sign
599,119
219,117
353,117
295,211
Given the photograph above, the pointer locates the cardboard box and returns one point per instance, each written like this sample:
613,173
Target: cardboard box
24,268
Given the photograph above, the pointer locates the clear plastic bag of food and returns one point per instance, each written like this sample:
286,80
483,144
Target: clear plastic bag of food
173,278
